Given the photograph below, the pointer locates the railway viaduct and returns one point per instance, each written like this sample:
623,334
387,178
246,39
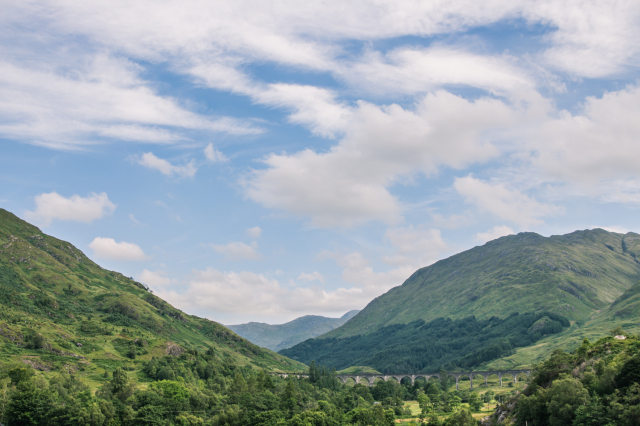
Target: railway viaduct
371,378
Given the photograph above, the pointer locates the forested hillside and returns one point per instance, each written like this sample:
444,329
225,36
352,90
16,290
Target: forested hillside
574,275
281,336
196,389
623,312
420,347
60,311
598,384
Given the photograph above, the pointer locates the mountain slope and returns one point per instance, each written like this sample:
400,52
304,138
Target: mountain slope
624,312
281,336
574,275
421,347
58,308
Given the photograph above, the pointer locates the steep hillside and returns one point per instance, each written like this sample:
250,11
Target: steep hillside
574,275
58,309
421,347
282,336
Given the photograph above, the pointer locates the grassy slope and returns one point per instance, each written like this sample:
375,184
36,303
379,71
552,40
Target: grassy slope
359,370
50,288
575,275
282,336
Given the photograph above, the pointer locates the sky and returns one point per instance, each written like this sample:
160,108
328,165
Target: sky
263,160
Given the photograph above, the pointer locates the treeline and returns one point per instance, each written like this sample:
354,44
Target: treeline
429,347
597,385
198,389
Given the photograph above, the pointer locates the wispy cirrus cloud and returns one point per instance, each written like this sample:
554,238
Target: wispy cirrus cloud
213,155
238,251
150,161
103,100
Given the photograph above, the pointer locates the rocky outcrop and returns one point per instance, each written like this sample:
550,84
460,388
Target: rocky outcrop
173,349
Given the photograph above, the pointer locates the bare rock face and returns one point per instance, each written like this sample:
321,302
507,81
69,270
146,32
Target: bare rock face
37,364
79,344
173,349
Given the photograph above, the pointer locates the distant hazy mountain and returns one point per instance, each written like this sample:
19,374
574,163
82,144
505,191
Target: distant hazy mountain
282,336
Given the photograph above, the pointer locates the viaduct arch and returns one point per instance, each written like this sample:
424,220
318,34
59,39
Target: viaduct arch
370,378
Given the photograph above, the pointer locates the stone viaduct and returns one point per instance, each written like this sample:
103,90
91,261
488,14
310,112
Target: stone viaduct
371,378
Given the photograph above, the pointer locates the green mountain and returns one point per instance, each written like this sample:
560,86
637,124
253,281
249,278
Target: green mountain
60,310
588,277
282,336
574,275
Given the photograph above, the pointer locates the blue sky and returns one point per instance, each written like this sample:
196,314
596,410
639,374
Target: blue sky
259,161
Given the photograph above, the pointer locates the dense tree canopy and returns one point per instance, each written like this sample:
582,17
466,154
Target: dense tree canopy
428,347
198,389
597,385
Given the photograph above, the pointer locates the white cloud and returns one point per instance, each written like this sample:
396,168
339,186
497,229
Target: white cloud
313,276
414,247
494,233
133,219
240,294
214,155
597,34
411,71
166,168
348,185
453,221
314,107
357,270
238,251
52,206
67,101
108,248
254,232
505,203
600,143
592,39
99,101
155,279
625,191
